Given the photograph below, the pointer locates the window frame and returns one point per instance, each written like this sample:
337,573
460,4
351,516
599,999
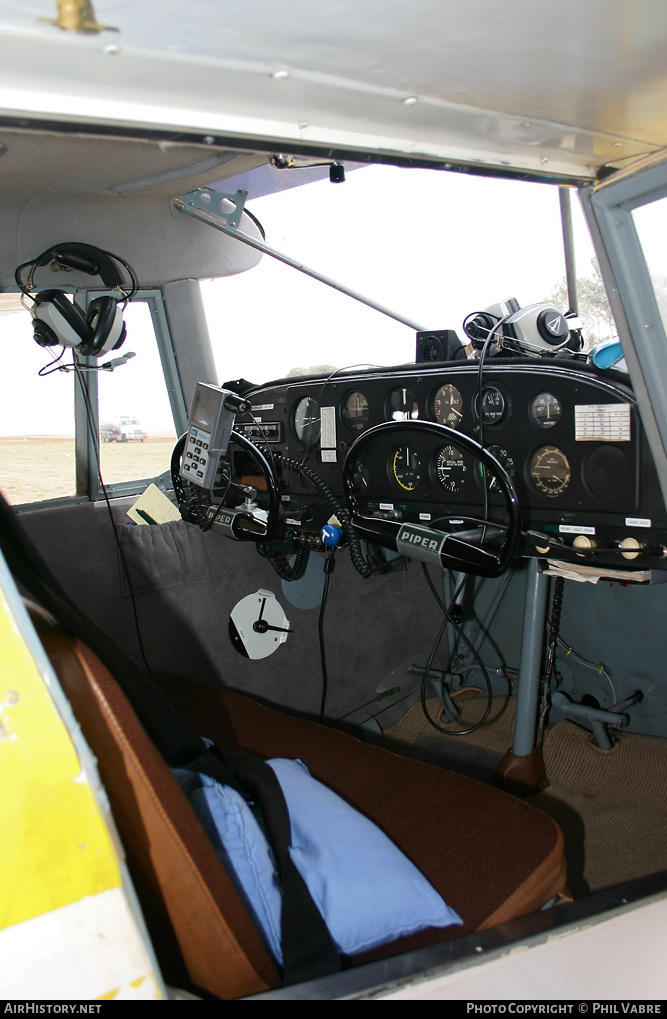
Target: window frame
609,210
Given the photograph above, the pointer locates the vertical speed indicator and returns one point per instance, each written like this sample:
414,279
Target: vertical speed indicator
450,469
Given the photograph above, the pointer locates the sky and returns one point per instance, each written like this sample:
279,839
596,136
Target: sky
434,246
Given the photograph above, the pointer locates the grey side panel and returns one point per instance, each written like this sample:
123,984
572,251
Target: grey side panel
183,608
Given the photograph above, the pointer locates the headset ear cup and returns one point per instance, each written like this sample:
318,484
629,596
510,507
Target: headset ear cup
43,334
105,322
54,315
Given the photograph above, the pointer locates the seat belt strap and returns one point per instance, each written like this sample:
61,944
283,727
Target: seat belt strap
308,949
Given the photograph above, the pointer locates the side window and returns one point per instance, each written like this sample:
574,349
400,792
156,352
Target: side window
137,432
36,418
651,223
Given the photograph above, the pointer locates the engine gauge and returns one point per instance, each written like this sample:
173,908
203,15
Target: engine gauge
550,471
405,468
307,421
503,457
495,406
450,469
402,405
361,479
448,406
355,411
545,410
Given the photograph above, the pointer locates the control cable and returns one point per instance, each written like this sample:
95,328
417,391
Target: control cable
96,447
450,619
336,508
329,565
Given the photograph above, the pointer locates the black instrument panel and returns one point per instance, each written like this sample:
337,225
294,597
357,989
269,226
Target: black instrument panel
568,435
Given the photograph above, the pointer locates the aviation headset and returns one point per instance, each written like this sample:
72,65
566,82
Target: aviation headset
58,321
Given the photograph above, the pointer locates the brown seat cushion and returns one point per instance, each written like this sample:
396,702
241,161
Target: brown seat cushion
491,856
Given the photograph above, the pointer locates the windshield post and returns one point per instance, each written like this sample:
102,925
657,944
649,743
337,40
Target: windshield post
568,247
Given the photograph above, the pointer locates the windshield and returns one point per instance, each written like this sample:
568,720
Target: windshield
430,245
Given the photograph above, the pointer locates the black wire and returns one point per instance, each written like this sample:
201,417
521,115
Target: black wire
328,566
324,383
450,619
437,596
53,366
343,517
467,520
281,565
269,451
96,448
208,523
480,406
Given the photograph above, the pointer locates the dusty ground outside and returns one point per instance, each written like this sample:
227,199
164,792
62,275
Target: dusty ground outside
42,467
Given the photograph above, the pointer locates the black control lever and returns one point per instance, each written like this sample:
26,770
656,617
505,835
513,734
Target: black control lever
442,548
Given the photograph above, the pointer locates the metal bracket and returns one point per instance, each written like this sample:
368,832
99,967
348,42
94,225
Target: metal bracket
226,209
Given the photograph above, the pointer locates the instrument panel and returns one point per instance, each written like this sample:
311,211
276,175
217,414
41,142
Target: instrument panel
568,435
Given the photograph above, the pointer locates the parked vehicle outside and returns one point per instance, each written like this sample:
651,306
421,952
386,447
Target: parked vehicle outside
122,429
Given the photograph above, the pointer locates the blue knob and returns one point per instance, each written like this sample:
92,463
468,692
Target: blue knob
331,535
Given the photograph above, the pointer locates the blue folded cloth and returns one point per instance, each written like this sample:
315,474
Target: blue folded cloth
606,354
366,889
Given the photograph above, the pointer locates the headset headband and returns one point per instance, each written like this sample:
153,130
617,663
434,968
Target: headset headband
85,258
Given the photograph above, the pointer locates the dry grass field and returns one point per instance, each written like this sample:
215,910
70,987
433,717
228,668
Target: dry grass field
42,467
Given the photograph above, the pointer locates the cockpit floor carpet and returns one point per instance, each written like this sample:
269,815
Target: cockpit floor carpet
495,735
610,805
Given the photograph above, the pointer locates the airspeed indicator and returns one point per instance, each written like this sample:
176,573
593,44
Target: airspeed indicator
405,468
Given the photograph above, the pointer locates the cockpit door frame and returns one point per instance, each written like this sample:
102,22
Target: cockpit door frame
609,207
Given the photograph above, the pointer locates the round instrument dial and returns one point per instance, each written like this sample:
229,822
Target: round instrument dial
503,457
450,470
550,471
405,468
307,421
495,406
355,411
545,410
361,478
402,405
448,406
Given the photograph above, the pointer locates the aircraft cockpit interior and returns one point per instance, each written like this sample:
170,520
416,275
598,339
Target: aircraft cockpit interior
409,546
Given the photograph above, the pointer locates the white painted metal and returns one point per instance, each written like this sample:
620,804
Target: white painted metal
557,89
618,959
